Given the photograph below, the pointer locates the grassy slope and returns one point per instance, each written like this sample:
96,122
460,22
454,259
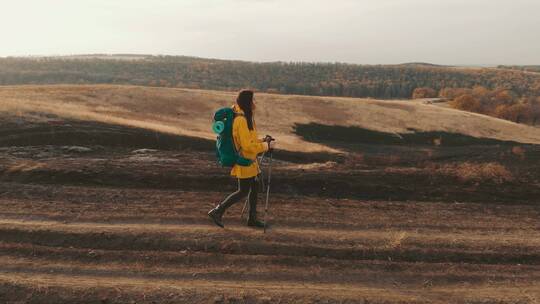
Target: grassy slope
188,112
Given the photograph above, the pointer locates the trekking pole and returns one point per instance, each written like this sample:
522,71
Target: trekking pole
244,208
268,189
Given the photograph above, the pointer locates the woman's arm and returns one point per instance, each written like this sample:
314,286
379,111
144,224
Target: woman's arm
246,142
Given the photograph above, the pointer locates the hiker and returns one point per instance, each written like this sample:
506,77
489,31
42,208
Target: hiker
248,145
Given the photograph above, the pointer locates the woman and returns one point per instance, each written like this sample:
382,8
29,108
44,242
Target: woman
249,146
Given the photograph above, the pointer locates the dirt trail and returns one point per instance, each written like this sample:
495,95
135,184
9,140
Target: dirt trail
267,290
120,245
329,237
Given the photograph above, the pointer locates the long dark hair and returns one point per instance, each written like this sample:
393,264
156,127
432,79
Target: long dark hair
245,102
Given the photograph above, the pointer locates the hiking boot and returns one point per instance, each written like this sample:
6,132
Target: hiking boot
216,215
256,224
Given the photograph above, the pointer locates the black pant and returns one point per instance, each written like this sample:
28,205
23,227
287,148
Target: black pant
246,186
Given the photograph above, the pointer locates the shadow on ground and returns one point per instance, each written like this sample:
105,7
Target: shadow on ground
89,133
346,137
86,133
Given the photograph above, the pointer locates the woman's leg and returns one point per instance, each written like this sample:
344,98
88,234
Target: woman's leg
252,198
254,191
216,214
244,186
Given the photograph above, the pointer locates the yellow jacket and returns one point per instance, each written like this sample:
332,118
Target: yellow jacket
247,144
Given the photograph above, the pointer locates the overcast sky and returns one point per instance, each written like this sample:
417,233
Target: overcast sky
356,31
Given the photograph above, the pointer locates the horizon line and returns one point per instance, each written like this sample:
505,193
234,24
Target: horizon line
257,61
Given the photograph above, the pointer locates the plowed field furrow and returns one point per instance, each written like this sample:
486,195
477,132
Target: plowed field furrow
109,204
270,291
397,245
186,264
266,291
112,245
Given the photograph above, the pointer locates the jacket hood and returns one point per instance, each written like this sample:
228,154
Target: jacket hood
236,109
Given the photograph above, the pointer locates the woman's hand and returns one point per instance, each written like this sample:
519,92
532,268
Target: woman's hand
270,141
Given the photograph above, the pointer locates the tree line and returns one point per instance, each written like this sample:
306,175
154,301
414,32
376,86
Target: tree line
526,68
326,79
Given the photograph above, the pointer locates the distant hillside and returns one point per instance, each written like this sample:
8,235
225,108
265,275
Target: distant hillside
325,79
527,68
302,123
104,56
422,64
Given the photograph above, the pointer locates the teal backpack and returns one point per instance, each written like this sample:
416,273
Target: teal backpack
225,150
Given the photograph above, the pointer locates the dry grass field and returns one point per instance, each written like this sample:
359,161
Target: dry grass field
104,192
189,112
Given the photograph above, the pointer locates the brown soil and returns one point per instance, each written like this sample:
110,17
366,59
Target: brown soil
82,244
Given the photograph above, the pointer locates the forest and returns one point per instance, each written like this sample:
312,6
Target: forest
326,79
493,91
526,68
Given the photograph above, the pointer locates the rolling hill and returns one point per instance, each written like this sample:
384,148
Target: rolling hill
188,112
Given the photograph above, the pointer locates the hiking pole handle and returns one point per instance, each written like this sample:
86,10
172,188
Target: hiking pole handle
269,138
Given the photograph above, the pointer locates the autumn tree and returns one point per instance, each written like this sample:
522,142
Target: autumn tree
452,93
424,93
503,97
467,102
